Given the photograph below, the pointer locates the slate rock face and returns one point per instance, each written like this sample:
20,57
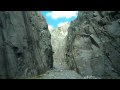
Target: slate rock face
93,44
25,44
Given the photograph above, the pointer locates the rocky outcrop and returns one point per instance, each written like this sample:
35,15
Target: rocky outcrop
25,46
93,44
58,41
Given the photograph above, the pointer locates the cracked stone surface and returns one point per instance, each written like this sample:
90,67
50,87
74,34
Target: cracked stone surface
93,44
25,46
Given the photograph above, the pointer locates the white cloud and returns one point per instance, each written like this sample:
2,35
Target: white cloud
61,24
62,14
50,27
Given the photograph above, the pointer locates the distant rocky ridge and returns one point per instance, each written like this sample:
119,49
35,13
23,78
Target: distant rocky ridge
58,41
25,44
93,44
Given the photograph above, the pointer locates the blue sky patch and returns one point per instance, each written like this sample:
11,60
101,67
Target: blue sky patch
58,18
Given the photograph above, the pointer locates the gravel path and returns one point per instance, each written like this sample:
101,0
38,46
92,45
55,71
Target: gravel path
62,74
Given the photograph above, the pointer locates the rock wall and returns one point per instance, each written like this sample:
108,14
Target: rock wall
25,44
58,41
93,44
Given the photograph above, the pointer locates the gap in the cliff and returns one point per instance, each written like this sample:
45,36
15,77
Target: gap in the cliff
58,23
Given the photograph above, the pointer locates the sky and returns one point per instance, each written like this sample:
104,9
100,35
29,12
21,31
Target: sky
58,18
